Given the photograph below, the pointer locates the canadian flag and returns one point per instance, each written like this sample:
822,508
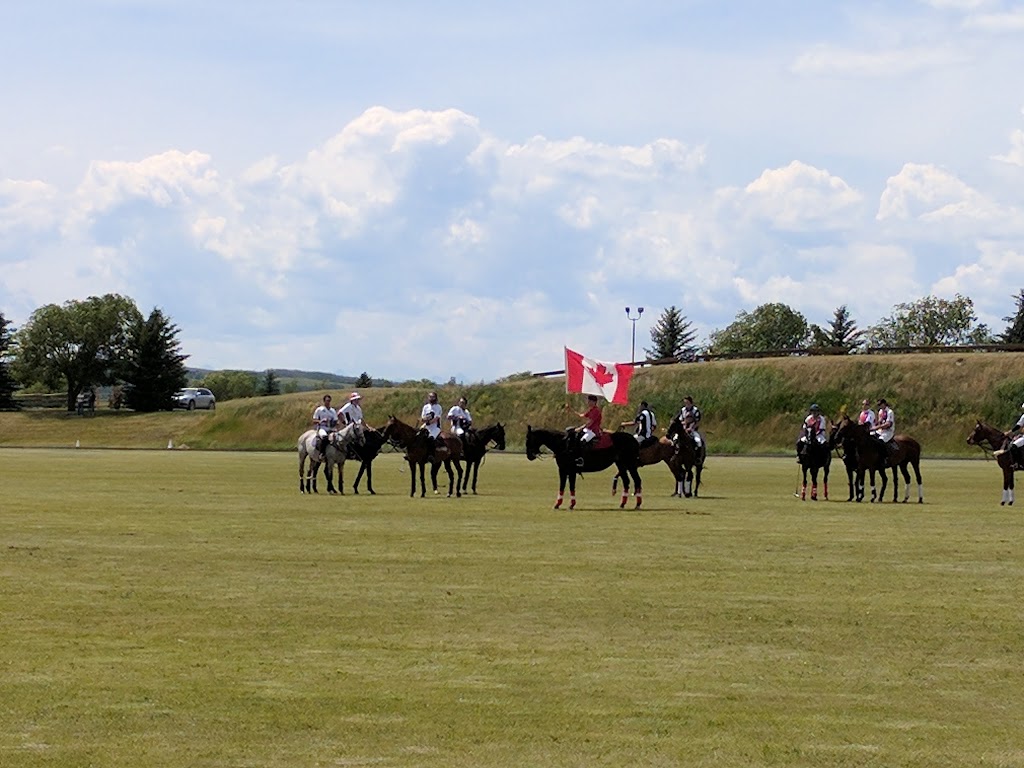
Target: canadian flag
592,377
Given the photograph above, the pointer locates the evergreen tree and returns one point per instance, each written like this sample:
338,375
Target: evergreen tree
841,333
271,385
363,381
1014,333
7,386
156,369
672,336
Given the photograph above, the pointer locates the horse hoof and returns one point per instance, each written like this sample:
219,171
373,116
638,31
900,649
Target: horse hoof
1002,503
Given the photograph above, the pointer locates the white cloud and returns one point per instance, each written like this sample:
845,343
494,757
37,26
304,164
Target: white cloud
824,60
1003,23
1015,155
925,192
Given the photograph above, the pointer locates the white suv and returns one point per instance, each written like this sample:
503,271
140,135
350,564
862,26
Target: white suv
195,397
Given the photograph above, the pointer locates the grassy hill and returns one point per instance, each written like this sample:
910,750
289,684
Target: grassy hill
750,406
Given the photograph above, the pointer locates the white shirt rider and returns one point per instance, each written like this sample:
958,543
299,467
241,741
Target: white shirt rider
430,415
351,412
885,426
459,417
817,426
325,417
1018,441
867,416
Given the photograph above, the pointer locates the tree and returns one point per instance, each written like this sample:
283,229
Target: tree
7,386
930,322
672,336
842,332
271,385
77,345
156,368
1014,333
769,327
363,381
231,385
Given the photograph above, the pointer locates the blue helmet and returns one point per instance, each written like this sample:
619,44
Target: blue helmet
814,407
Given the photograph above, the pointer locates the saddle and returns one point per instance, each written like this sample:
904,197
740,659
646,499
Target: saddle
604,440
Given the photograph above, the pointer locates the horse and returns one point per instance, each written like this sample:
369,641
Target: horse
474,446
334,455
618,448
995,438
366,453
814,457
873,454
847,450
417,445
688,462
651,452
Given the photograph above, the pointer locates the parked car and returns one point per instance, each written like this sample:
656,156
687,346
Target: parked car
195,397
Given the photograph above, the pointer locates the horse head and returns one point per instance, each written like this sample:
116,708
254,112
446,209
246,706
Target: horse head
532,443
499,436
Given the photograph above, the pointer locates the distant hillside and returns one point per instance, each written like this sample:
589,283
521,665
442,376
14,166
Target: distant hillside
294,380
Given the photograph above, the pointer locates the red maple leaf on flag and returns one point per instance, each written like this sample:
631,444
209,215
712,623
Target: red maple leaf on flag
601,375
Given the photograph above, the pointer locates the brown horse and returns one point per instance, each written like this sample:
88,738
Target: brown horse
421,450
873,454
653,451
995,439
847,450
621,449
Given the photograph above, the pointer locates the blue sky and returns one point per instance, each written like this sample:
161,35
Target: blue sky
452,189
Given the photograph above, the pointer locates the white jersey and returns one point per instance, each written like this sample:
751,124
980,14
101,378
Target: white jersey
352,413
325,417
886,415
867,416
817,427
431,417
459,418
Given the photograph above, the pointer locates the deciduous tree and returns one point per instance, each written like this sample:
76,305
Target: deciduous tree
231,385
156,367
672,336
930,321
769,327
77,345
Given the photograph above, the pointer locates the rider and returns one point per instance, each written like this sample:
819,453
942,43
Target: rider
814,429
1014,441
352,413
867,416
326,420
459,418
690,416
430,420
885,427
590,429
644,423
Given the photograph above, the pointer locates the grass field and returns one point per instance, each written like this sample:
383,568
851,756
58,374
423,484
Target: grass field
185,608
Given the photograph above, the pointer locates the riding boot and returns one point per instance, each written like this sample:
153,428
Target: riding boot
1016,458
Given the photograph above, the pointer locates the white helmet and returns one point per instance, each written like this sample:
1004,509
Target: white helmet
1022,406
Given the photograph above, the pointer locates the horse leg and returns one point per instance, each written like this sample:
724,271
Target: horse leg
615,483
895,486
341,477
625,489
572,488
917,477
561,488
638,487
803,486
476,473
696,472
814,483
369,476
825,478
1007,487
906,481
302,473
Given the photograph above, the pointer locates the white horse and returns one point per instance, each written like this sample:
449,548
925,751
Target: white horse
334,455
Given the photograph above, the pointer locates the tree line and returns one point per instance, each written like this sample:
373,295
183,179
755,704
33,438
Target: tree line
927,322
106,341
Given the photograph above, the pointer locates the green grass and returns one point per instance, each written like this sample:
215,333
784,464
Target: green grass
174,608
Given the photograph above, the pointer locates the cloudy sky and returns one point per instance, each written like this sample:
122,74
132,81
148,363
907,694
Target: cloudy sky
428,190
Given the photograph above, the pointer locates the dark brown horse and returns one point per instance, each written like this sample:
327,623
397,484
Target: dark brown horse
373,441
420,450
847,450
873,454
814,457
984,437
688,462
618,448
475,443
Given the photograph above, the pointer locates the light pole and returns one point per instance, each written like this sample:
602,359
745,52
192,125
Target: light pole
632,349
